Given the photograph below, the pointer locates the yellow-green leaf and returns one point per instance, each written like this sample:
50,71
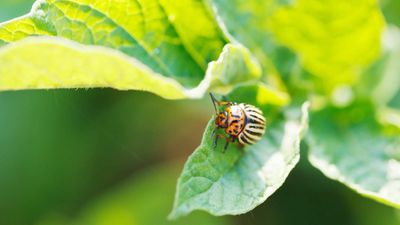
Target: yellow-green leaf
163,47
160,34
45,62
335,40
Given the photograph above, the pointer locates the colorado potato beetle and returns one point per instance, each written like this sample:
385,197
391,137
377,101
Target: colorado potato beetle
240,121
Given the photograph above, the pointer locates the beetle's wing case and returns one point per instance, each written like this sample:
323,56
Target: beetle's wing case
255,125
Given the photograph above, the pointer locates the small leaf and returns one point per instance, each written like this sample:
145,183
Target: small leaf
237,181
349,146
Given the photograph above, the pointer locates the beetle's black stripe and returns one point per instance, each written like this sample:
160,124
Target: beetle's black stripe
257,116
260,121
252,121
253,137
254,133
256,127
258,130
249,137
254,111
244,140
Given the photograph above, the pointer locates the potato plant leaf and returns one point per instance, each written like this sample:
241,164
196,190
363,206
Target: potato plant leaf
173,49
49,62
347,145
238,180
247,23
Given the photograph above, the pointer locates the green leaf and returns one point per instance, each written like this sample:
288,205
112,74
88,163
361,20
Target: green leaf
172,41
381,83
238,180
260,94
124,45
330,37
388,72
390,9
349,146
39,62
247,23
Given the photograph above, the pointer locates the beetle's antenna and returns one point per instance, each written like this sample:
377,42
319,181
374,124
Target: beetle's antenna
215,102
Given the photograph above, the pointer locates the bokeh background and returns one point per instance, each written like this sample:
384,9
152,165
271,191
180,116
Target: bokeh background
106,157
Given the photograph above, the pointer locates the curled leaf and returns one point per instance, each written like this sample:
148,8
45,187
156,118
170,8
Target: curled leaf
154,46
46,62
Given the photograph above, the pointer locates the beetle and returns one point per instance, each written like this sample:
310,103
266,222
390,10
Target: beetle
242,122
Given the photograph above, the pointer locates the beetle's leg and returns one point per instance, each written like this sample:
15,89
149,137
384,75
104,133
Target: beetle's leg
228,139
216,137
213,132
226,144
216,140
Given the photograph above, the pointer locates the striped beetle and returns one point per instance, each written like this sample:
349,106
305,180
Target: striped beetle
242,122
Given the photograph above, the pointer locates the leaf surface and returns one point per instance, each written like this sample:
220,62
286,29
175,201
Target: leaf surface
348,145
238,180
173,49
40,62
330,37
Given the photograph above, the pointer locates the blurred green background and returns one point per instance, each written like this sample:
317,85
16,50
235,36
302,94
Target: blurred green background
105,157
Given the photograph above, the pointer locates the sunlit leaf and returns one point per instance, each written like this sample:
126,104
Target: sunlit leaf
238,180
158,33
247,22
336,40
163,47
39,62
349,146
260,94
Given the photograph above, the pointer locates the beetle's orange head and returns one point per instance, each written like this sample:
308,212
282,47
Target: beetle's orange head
222,119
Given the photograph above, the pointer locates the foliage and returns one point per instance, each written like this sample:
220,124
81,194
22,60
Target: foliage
340,56
240,179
